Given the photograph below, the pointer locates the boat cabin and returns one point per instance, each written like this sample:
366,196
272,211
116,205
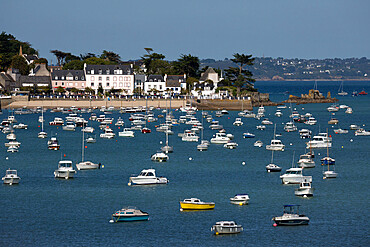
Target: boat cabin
294,171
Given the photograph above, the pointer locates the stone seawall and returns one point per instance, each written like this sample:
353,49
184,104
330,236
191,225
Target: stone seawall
231,105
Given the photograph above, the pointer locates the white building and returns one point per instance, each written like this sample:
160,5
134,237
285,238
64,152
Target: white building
207,85
110,77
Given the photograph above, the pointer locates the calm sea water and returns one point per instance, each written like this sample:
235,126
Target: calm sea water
44,211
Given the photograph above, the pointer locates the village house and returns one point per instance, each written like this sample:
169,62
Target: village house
68,79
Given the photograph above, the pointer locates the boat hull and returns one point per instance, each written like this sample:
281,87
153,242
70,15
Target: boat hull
295,179
291,222
304,192
226,230
64,174
130,218
11,181
147,181
87,165
197,206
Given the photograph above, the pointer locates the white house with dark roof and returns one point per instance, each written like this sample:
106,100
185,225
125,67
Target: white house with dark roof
207,85
174,83
155,84
68,79
110,77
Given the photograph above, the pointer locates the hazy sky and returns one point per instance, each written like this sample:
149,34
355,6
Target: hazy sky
204,28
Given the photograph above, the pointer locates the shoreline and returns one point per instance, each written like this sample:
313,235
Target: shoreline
313,80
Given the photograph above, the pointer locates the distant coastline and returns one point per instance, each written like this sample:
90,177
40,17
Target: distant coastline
315,80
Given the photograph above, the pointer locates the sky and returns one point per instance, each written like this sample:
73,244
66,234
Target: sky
204,28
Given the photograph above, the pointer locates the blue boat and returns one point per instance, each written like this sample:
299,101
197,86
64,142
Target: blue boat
129,214
327,161
248,135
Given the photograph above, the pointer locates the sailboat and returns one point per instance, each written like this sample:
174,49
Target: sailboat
272,167
328,161
203,146
276,145
42,134
146,129
85,165
340,90
167,149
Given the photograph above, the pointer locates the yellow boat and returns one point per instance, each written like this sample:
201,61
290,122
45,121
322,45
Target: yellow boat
196,204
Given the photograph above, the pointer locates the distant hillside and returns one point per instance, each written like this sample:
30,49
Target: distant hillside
302,69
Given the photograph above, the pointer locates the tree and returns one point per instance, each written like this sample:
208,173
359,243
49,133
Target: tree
89,90
190,81
20,63
60,56
69,57
60,90
239,76
187,64
110,56
74,65
154,62
87,55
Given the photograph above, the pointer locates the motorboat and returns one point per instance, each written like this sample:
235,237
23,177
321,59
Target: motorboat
159,157
305,133
318,142
215,126
238,122
145,130
147,177
240,199
349,110
305,161
261,127
354,127
230,145
333,121
203,146
290,127
20,126
65,170
11,177
291,217
248,135
294,176
258,144
278,113
88,129
362,132
12,119
311,121
57,121
11,136
129,214
53,143
220,138
275,145
281,107
362,93
108,134
273,168
70,126
90,139
42,134
329,174
266,122
190,137
305,189
126,132
224,111
226,227
340,131
196,204
333,108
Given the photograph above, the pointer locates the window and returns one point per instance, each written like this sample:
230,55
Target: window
56,78
62,83
160,87
121,78
62,77
100,78
92,78
107,84
92,71
108,71
83,84
82,78
114,84
121,84
114,78
56,83
76,78
100,84
100,72
92,84
107,78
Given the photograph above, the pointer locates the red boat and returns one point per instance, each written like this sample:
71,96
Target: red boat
362,93
145,130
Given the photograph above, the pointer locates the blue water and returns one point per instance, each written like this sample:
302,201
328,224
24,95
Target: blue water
44,211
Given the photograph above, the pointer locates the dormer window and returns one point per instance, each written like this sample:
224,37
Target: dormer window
115,72
56,78
62,77
100,72
76,78
92,71
108,71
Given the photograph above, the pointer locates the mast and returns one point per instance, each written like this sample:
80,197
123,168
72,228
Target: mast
83,148
272,157
42,116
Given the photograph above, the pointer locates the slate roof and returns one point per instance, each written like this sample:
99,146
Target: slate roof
34,79
175,80
6,77
126,69
29,58
204,76
154,78
68,73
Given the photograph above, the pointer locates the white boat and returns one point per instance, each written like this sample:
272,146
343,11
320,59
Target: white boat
354,127
57,121
90,139
333,108
85,165
20,126
290,127
42,134
167,148
294,176
362,132
202,147
65,170
159,157
258,144
340,90
70,126
53,143
12,143
230,145
220,138
318,142
238,122
266,122
272,167
108,134
349,110
119,122
147,177
340,131
12,149
190,137
291,217
12,119
11,177
88,129
305,161
126,132
311,121
305,189
275,145
333,121
305,133
240,199
11,136
261,127
278,113
226,227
